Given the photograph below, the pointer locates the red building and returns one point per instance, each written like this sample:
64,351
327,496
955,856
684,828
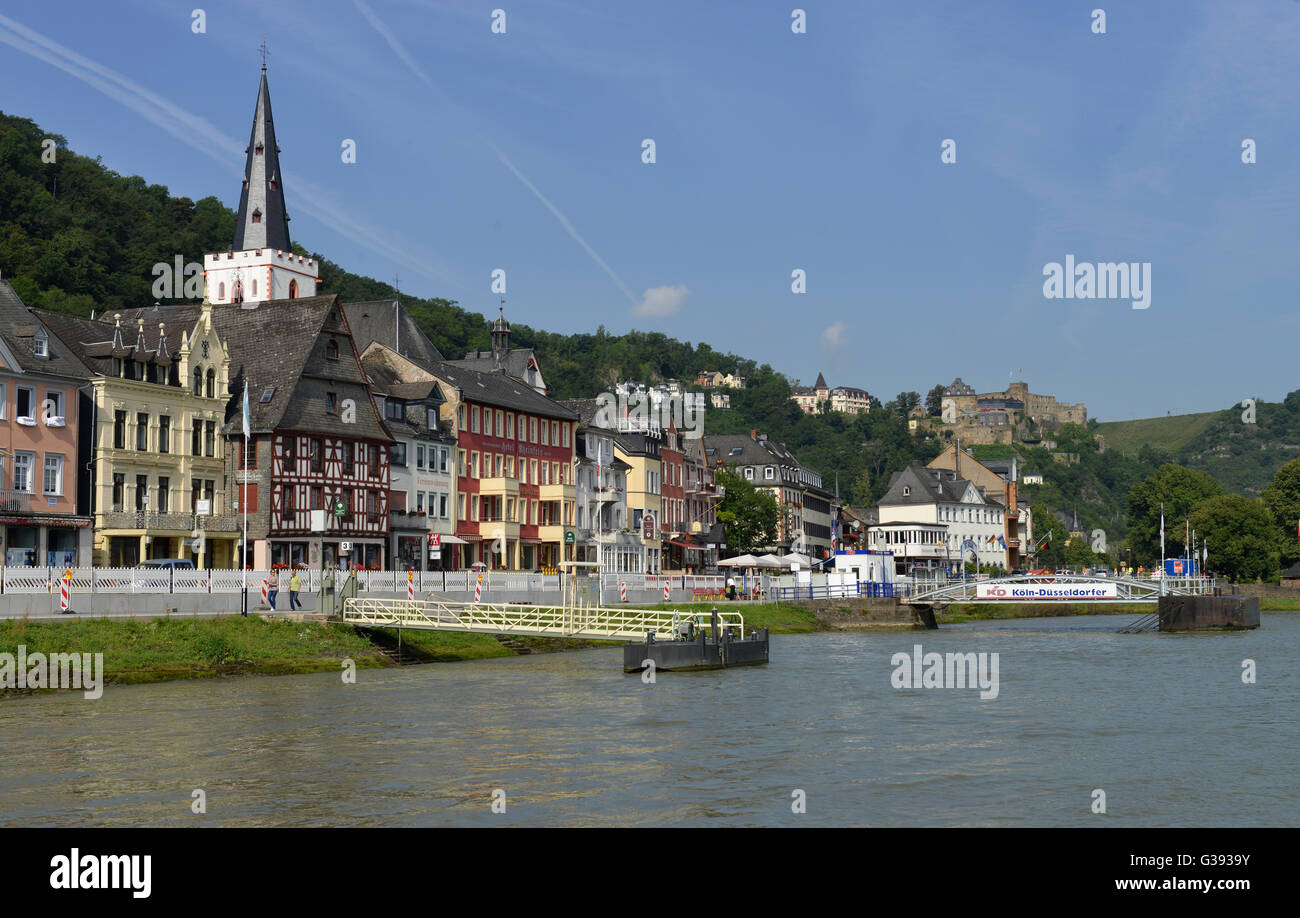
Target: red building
514,470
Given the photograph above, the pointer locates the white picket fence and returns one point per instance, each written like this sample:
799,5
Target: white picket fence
33,580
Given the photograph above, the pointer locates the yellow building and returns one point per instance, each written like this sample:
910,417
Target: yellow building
644,486
158,460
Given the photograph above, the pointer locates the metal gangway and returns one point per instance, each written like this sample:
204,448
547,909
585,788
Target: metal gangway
1149,622
615,624
1056,588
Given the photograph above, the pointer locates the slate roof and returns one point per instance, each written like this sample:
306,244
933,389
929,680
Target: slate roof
1292,572
821,382
751,452
927,486
281,345
514,362
387,381
97,341
18,326
263,192
373,320
499,390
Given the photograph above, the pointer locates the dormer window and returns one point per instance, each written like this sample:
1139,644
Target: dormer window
258,150
907,491
41,343
257,215
332,349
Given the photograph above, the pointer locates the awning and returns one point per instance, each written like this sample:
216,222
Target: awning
55,521
687,545
450,539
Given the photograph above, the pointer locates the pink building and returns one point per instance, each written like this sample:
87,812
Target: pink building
44,492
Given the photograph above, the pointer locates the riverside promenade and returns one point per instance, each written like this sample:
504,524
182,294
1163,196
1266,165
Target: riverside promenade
135,593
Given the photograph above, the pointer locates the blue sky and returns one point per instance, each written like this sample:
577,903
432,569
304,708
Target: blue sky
775,151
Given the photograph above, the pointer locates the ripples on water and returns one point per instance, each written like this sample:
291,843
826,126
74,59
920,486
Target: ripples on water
1162,723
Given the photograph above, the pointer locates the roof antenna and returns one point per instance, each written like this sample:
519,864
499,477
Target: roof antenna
397,326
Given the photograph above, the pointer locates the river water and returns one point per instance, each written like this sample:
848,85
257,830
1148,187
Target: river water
1163,724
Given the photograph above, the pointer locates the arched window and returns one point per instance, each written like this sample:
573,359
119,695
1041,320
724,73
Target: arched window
293,290
212,383
198,380
221,290
237,293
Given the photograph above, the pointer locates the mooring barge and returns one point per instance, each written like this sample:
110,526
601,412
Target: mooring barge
693,647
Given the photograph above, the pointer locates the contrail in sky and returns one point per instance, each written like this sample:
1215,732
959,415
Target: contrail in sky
402,54
203,136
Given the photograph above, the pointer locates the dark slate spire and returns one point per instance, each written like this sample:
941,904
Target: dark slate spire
262,221
821,380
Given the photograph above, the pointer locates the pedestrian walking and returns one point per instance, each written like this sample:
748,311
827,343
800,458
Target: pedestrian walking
295,584
274,591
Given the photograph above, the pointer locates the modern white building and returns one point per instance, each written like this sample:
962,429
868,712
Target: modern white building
925,501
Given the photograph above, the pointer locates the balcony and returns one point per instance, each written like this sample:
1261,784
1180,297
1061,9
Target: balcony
556,492
174,522
15,501
499,487
408,519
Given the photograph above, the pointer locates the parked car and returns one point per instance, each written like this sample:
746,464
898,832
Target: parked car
174,563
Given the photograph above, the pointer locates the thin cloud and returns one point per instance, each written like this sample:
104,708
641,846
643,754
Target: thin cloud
202,135
833,336
660,302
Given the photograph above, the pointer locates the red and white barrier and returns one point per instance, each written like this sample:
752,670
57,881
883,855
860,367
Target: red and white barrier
65,587
410,586
622,591
478,587
265,587
665,591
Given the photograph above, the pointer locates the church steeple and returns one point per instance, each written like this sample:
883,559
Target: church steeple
501,336
260,266
262,221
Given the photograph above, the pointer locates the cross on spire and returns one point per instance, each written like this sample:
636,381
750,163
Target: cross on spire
266,52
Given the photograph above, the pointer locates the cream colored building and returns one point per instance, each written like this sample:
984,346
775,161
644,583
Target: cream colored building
157,456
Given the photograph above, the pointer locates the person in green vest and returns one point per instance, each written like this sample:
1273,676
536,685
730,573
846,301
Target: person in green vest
295,584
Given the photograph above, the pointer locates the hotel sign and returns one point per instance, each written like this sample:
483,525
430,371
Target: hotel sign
648,526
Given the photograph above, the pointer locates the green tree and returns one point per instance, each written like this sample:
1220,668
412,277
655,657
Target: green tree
748,514
1283,500
1178,489
934,401
1051,534
1239,533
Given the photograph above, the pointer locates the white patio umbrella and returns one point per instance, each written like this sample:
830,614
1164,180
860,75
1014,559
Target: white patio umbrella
739,561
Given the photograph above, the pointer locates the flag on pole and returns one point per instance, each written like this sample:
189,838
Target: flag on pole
1162,529
246,425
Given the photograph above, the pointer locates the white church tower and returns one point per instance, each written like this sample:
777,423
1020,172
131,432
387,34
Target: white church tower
260,265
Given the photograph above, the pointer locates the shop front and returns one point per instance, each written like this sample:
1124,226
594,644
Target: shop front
45,541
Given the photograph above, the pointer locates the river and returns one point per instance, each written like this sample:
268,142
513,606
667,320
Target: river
1163,724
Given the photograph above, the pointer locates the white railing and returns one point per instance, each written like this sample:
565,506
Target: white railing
509,618
45,580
